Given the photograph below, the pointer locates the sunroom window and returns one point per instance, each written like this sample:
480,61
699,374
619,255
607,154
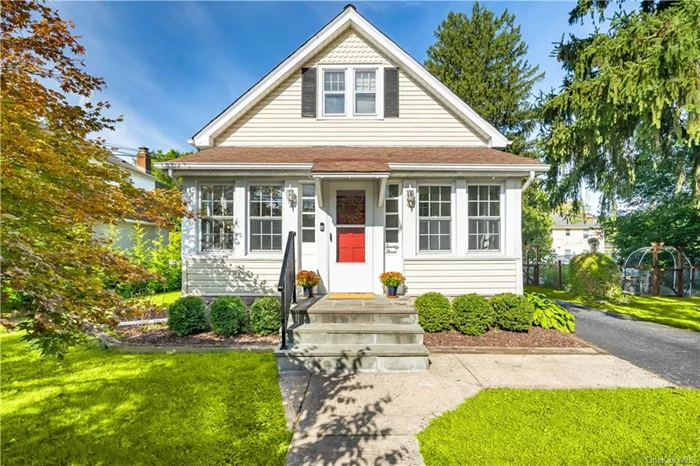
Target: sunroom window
334,92
434,218
391,226
484,214
265,218
216,217
308,213
365,92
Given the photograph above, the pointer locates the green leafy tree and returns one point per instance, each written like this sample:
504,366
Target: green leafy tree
160,156
537,220
482,59
629,103
57,185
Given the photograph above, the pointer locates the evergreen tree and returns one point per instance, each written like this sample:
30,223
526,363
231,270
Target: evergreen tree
482,60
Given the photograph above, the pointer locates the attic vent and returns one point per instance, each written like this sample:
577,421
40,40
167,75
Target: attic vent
308,92
391,92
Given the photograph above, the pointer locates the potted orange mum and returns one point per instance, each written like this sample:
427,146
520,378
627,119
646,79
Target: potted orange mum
392,280
307,280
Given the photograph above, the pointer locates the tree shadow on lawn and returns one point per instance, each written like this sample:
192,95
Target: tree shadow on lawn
336,426
98,407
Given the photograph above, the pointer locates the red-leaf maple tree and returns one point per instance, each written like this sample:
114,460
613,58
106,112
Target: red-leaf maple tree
57,185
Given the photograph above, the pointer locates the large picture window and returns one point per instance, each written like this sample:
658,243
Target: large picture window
216,217
365,92
334,92
308,213
265,216
484,214
434,218
391,224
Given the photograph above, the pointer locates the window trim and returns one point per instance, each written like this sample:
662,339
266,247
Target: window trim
398,214
501,219
200,217
322,87
453,199
350,91
375,92
248,218
567,231
302,213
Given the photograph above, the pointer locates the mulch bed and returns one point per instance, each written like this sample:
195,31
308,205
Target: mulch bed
536,337
160,335
155,313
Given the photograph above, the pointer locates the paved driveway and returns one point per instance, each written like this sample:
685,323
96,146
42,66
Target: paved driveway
670,352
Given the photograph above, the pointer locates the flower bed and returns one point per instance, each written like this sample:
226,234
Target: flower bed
536,337
160,335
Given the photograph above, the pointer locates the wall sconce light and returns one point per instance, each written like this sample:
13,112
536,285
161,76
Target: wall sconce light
291,197
411,198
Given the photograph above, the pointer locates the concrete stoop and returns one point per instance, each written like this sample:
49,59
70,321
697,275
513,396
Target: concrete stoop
350,336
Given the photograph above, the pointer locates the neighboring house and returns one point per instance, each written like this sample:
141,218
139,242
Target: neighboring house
376,165
141,177
571,237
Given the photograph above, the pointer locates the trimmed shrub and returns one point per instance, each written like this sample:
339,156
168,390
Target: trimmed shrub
548,314
595,277
472,314
512,311
187,316
266,316
434,312
227,316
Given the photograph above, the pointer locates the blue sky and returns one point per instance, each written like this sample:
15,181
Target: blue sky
172,66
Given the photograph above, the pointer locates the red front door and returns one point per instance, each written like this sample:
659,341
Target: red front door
350,222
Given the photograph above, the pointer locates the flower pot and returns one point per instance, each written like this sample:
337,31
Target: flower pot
308,292
391,291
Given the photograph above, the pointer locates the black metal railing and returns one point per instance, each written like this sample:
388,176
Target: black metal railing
287,284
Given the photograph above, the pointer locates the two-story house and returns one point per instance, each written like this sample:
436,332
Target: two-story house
573,236
374,164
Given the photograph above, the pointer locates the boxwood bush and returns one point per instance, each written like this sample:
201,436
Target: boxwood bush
595,277
187,316
548,314
266,316
227,316
434,312
473,315
512,311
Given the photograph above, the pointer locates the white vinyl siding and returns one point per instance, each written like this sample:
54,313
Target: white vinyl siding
225,276
454,277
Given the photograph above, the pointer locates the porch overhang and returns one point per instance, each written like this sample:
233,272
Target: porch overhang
381,177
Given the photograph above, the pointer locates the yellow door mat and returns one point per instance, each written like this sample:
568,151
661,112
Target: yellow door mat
350,296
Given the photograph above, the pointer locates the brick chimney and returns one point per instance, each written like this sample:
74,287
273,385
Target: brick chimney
143,159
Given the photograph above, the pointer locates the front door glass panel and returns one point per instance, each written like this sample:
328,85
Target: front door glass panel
350,225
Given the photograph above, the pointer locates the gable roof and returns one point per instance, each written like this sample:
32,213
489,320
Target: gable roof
574,223
349,17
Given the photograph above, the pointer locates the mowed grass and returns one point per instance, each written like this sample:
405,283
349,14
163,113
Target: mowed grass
667,310
161,299
572,427
103,408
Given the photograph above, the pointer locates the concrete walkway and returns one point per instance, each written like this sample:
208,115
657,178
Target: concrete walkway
373,418
670,352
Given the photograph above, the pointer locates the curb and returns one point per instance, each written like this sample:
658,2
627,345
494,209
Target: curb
510,350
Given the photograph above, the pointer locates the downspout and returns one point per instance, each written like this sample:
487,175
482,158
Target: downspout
177,183
529,181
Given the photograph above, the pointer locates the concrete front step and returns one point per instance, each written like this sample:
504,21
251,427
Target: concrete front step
353,358
364,315
357,334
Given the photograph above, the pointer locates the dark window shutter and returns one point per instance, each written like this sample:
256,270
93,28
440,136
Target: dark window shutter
308,92
391,92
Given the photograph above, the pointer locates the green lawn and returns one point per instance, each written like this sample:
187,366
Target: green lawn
676,312
103,408
573,427
161,299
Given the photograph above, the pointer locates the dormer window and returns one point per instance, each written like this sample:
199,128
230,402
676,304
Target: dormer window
365,92
334,92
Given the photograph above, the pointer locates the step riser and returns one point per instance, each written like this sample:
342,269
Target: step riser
356,338
346,318
334,364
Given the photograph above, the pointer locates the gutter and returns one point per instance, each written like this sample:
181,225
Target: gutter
529,181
